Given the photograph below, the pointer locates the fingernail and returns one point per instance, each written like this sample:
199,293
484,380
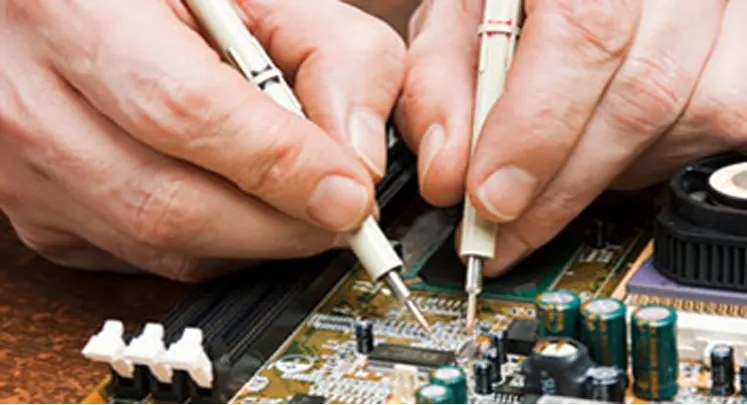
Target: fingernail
338,203
430,145
509,249
507,192
368,138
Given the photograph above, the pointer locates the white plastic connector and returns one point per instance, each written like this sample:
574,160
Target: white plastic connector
149,350
188,354
108,347
698,333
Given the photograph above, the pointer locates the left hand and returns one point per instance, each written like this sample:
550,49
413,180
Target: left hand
600,94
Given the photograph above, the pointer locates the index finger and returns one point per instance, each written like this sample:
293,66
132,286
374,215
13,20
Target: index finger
568,52
160,81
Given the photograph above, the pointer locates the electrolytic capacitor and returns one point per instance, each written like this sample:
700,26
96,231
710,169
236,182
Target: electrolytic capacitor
654,352
722,370
364,337
434,394
606,384
452,377
494,358
558,313
497,342
483,383
604,331
743,379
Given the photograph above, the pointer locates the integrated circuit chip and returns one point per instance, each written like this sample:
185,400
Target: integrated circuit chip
390,354
307,399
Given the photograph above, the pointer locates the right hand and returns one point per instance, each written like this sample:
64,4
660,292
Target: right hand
125,143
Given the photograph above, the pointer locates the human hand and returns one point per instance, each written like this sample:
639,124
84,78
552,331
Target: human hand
126,143
600,93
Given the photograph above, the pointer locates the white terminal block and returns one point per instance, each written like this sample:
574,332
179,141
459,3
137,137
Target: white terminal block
187,354
149,350
108,347
698,333
498,33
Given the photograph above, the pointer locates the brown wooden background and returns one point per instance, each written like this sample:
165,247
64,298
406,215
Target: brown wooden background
47,312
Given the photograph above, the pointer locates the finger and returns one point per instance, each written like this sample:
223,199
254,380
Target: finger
434,113
67,250
645,98
151,198
351,71
164,86
568,52
714,119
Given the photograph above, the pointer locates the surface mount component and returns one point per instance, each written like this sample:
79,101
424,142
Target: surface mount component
364,336
558,366
521,336
700,238
654,352
307,399
390,354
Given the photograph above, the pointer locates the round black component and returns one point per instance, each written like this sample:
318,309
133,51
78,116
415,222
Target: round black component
700,238
558,366
364,337
743,379
722,370
606,384
497,342
483,382
494,358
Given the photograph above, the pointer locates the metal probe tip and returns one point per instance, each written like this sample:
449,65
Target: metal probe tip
415,311
473,287
400,290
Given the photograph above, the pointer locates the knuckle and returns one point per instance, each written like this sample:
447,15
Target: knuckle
167,217
277,162
178,268
605,26
184,109
722,113
649,93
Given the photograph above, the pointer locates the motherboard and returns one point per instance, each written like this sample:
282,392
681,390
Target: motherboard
592,317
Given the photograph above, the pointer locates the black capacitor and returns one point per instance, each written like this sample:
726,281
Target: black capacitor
497,341
364,337
558,366
494,358
743,379
606,384
722,370
483,384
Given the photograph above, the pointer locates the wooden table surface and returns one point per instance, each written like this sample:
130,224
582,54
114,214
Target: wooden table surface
47,312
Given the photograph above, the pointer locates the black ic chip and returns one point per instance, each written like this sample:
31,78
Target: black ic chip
521,336
400,354
307,399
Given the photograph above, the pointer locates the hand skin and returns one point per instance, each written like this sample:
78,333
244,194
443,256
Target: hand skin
125,143
601,94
